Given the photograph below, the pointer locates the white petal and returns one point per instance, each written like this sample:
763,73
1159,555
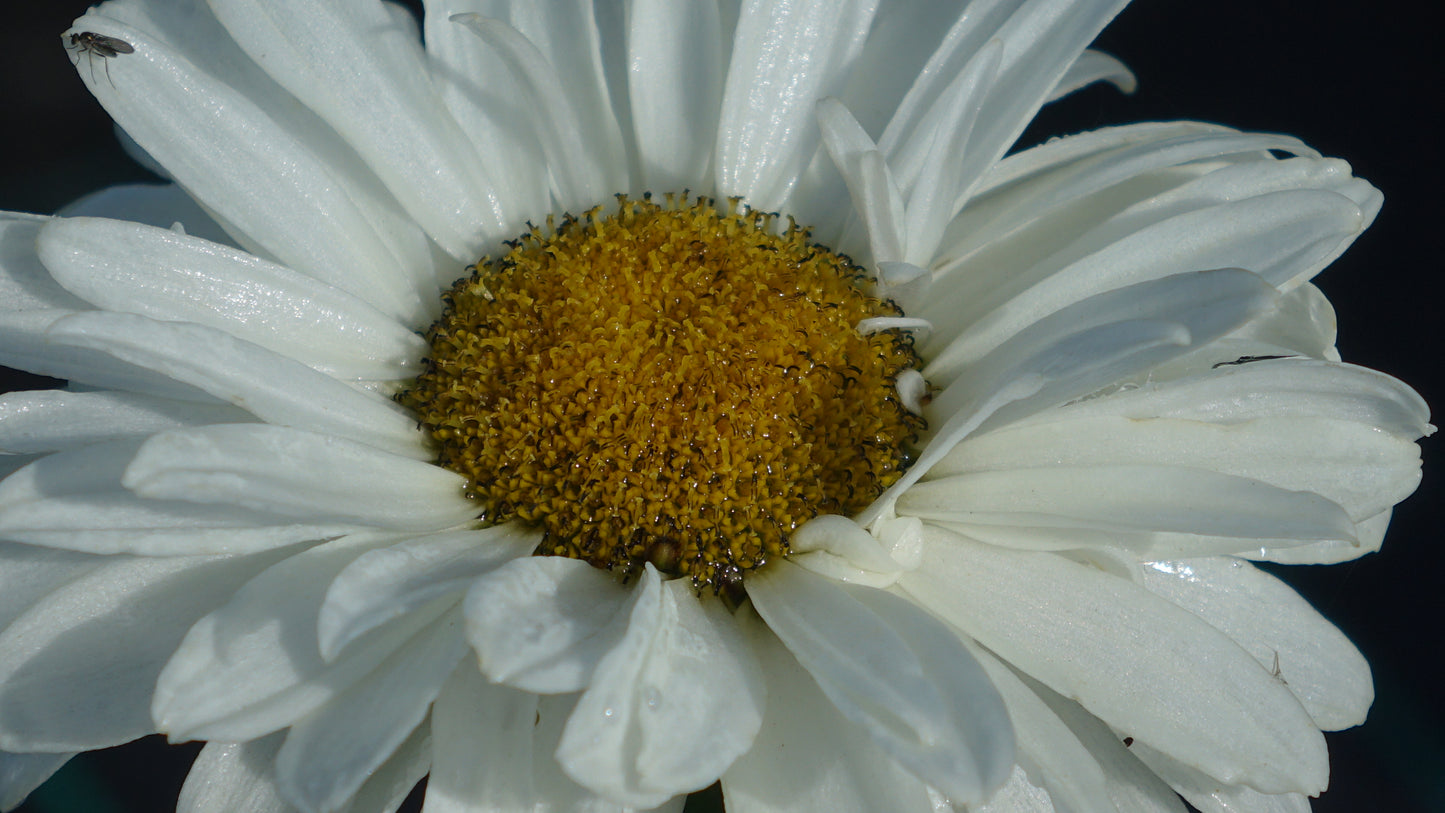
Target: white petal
1017,795
1210,795
1040,42
389,785
1132,786
493,753
25,284
1357,466
897,672
165,275
671,706
24,345
320,212
269,386
1369,535
1181,509
28,574
480,94
1050,754
876,198
390,582
673,805
542,623
1209,703
51,420
1046,159
21,774
1094,66
940,180
330,753
1073,184
165,206
894,276
235,777
1284,236
78,669
579,183
674,78
1300,389
1101,327
11,463
785,58
840,549
1303,326
912,387
575,38
323,478
1306,402
74,500
363,74
482,747
1078,351
807,758
1277,234
904,35
878,324
1278,627
253,666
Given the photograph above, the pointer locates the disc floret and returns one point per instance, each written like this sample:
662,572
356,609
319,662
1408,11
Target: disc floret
671,384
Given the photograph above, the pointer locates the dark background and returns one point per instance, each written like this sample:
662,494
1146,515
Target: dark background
1356,83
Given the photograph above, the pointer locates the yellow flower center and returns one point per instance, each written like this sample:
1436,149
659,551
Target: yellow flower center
668,384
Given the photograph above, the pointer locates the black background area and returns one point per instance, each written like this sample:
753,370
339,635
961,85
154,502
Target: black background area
1359,82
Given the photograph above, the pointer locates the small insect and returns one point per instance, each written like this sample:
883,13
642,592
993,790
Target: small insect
98,45
1249,360
1274,671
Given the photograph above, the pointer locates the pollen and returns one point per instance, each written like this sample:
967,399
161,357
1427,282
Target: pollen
681,383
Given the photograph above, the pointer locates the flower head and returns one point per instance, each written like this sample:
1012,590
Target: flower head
583,405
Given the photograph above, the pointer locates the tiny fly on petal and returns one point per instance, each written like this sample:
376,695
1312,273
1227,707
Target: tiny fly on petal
98,45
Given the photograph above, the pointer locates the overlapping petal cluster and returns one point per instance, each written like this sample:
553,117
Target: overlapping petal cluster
225,529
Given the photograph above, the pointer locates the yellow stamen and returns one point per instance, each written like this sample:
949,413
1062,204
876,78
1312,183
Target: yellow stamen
667,384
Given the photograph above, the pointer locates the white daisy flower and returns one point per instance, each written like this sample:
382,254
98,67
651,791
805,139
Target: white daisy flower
948,504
